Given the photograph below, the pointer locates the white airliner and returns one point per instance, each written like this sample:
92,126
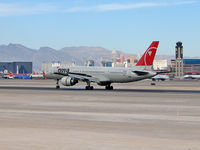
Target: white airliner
105,76
191,76
162,77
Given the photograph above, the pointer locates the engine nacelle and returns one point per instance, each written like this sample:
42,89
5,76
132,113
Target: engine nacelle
68,81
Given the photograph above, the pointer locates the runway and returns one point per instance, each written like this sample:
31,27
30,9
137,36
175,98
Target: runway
35,115
172,87
101,90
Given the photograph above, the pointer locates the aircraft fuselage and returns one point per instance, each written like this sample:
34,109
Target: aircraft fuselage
104,74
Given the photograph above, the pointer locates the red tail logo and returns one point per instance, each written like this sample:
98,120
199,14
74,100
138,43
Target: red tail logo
148,56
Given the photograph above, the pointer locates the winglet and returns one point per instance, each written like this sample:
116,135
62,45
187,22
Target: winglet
148,57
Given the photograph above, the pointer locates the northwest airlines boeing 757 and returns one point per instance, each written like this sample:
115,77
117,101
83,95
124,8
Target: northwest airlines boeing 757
105,76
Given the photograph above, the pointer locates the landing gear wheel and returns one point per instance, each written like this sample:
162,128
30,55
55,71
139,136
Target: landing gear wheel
57,84
89,87
108,87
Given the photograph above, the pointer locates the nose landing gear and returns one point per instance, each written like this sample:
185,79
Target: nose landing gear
57,84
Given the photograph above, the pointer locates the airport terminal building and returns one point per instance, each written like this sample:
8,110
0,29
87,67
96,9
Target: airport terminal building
16,67
190,66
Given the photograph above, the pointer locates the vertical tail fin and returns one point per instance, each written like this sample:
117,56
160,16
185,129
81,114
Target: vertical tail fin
148,57
44,75
10,73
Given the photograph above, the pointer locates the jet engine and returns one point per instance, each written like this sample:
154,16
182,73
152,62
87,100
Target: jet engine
68,81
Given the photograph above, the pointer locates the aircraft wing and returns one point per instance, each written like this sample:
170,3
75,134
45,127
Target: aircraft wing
141,73
78,76
162,72
83,77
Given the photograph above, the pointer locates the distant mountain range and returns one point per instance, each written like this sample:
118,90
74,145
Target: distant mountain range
79,55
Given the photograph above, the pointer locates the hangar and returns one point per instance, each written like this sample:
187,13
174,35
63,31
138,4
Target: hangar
16,67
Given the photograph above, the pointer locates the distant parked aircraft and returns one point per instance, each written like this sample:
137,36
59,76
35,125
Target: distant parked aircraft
23,76
191,76
16,76
8,76
161,77
105,76
37,76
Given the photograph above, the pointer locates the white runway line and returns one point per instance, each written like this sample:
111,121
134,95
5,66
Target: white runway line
99,116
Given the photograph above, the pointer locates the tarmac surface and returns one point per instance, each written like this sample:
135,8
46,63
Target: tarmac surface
36,116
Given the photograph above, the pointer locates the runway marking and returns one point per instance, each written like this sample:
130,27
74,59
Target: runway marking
115,90
118,105
100,116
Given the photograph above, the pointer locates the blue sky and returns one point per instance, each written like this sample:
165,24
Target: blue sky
126,25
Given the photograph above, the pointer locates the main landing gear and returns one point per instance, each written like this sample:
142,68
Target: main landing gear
88,87
57,84
108,87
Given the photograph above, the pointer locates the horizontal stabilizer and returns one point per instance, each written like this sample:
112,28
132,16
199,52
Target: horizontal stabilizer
140,73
